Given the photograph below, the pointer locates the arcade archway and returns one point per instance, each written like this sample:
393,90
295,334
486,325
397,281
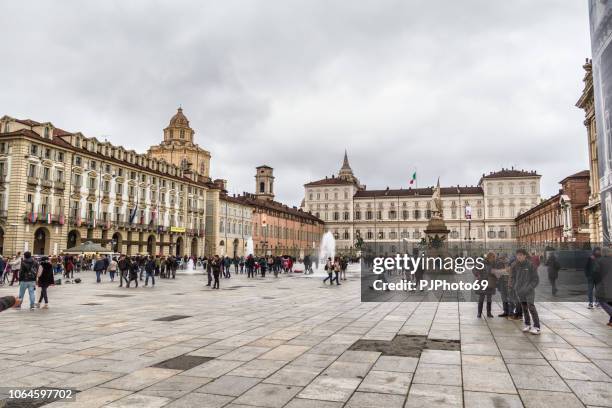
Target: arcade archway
41,242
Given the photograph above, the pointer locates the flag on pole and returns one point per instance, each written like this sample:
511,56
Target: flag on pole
49,218
413,178
61,219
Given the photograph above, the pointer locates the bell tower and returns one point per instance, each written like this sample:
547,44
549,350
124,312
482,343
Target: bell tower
264,182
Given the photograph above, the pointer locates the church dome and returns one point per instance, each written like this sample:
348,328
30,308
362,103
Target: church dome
179,120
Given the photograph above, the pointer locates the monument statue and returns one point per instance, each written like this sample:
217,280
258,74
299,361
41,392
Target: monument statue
436,232
437,202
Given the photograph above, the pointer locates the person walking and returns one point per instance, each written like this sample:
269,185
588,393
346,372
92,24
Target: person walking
44,279
589,270
15,268
553,266
27,278
6,269
99,267
150,271
112,269
337,269
134,269
329,268
124,270
525,280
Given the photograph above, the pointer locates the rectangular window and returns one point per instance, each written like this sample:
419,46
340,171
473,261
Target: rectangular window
32,170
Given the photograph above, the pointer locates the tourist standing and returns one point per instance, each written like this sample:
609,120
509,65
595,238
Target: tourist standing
45,279
69,268
27,278
525,280
343,266
502,285
216,265
589,271
553,266
150,271
485,274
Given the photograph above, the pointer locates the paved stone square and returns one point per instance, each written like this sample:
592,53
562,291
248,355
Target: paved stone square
285,343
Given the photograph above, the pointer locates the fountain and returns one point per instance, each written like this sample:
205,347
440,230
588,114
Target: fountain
326,250
249,247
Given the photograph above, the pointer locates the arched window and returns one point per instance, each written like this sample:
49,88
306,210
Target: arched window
262,187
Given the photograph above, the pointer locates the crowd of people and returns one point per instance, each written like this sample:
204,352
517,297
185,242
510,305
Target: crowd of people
516,278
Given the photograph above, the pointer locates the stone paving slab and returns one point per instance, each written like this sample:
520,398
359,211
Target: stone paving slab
286,343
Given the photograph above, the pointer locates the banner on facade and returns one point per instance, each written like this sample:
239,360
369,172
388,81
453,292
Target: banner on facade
600,14
177,229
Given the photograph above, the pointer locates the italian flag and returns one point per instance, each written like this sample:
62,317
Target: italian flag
413,178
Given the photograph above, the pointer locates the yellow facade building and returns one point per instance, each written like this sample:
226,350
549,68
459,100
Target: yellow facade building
59,188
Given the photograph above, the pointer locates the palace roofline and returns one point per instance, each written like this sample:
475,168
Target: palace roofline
425,191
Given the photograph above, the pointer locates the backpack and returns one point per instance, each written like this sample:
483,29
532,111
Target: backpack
29,271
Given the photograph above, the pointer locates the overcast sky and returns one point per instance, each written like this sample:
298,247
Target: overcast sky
453,88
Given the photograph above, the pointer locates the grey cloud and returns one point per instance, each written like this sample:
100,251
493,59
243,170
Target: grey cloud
453,88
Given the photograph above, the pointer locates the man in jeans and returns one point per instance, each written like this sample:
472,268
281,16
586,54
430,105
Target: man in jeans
99,267
150,271
524,280
27,278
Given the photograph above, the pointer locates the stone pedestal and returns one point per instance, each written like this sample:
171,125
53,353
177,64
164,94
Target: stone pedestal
437,239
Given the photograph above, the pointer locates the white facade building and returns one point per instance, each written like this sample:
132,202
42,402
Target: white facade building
478,214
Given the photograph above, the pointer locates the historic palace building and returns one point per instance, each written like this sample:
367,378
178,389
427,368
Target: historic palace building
559,219
476,214
587,103
61,188
279,229
235,225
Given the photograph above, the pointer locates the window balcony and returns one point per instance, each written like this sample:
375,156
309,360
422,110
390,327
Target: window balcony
32,180
3,214
60,185
47,183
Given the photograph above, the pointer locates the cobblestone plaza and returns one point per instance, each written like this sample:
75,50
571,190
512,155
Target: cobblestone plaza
292,342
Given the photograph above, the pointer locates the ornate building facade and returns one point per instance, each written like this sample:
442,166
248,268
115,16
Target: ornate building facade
561,218
587,103
178,147
482,214
278,229
61,188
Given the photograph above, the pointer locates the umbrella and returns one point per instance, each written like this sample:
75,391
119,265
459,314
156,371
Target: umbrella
88,247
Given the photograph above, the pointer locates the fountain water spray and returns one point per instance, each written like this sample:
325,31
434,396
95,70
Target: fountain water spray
326,250
249,247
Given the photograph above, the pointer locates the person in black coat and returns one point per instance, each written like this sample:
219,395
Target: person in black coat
553,266
134,268
6,302
44,279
